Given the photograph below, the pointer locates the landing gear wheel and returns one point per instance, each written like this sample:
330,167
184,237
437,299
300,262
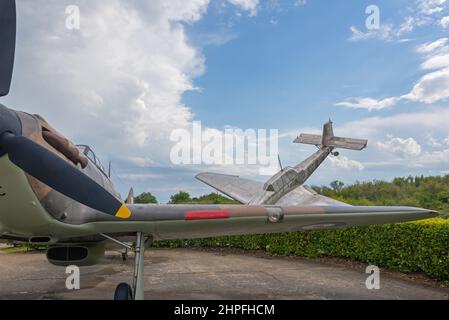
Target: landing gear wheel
124,256
123,292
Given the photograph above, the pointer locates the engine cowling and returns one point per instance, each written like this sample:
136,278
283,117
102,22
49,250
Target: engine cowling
81,255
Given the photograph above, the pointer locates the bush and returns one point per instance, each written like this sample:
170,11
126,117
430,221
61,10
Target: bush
421,246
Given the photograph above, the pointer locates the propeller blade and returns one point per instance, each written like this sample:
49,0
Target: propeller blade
61,176
7,43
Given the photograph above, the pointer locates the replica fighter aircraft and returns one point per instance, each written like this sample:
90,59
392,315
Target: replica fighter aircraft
55,193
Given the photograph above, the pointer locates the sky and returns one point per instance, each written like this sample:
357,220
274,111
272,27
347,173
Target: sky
136,70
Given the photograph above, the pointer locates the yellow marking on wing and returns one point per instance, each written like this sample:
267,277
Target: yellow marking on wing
123,212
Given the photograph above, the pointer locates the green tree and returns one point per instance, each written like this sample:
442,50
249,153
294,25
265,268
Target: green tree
337,185
425,192
145,197
213,198
181,197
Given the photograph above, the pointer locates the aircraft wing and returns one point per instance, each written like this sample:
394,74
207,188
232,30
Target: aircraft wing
242,190
306,196
166,222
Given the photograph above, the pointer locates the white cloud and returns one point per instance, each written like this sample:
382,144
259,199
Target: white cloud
432,46
430,7
431,141
430,88
120,76
434,157
400,147
402,123
368,103
248,5
118,82
383,33
426,12
407,26
412,127
444,22
436,62
345,163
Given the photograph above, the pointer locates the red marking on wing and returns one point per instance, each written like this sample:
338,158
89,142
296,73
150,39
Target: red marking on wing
207,215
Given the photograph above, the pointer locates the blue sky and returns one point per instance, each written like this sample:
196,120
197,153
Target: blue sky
302,65
137,70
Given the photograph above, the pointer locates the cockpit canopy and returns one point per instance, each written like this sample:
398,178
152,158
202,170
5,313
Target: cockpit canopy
88,152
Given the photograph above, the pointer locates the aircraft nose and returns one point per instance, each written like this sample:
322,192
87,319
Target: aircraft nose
9,121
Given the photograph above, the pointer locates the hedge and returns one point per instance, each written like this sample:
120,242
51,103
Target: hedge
421,246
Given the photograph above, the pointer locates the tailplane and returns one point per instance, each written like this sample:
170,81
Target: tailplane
329,140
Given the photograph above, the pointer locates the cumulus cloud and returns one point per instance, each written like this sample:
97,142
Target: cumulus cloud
116,83
121,76
344,162
431,88
400,147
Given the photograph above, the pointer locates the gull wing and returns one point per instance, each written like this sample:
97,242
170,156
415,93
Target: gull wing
242,190
306,196
249,192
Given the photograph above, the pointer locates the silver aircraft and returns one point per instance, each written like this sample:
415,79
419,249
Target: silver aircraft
58,194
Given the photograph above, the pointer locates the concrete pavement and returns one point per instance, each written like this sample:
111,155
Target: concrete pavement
208,274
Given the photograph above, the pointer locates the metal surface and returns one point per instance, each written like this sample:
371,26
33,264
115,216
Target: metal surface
279,187
139,293
121,243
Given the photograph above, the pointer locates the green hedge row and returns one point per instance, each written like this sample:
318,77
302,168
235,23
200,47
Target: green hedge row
407,247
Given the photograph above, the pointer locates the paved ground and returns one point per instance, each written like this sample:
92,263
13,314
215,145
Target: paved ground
199,274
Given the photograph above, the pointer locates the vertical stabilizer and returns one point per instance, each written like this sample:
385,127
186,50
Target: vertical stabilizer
328,134
130,197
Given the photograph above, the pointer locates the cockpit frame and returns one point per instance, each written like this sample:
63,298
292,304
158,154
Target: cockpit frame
90,154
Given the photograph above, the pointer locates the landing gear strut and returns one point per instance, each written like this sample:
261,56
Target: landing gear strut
138,292
124,291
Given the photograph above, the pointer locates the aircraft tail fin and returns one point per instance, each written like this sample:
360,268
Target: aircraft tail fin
130,197
329,140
